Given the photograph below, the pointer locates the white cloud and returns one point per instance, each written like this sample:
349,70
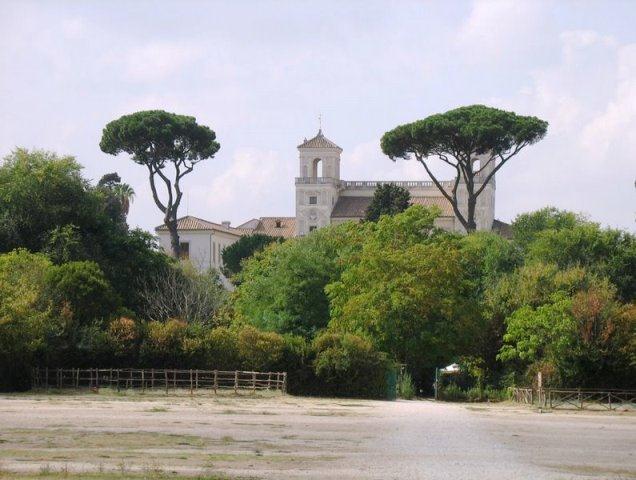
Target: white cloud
586,161
500,30
615,125
159,60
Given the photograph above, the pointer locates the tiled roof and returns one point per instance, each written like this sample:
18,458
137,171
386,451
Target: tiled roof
319,141
194,223
356,207
351,207
276,226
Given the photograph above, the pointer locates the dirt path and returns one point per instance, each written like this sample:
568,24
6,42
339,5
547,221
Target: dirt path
301,438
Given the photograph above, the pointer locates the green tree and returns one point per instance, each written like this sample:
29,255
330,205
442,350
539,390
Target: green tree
26,317
457,138
388,199
82,287
407,293
125,194
607,252
282,289
162,141
527,226
244,248
40,191
348,365
583,339
47,206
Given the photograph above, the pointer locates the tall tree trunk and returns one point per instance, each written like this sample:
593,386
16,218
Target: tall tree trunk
470,220
171,223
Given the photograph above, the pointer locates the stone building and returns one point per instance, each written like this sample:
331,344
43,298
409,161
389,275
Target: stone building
322,198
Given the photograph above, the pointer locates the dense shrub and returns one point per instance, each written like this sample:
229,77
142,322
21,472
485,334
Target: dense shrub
82,287
124,337
25,316
259,351
405,387
348,365
223,349
163,344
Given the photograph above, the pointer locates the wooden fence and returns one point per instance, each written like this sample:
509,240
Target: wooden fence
158,379
562,398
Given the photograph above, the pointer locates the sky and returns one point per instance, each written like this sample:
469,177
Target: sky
259,73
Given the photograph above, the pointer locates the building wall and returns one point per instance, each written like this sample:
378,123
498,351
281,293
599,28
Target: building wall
206,246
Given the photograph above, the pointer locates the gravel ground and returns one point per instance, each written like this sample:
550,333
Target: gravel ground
303,438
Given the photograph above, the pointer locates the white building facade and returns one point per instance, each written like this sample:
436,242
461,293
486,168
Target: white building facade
322,199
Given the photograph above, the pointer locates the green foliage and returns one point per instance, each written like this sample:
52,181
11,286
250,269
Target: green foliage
154,137
407,293
457,137
348,365
82,287
223,345
583,338
388,199
162,345
244,248
25,315
527,225
124,336
406,387
282,288
473,129
259,351
607,252
47,206
38,192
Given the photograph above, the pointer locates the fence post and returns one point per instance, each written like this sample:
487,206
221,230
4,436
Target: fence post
580,399
236,374
165,375
216,380
118,371
254,382
269,380
284,382
143,381
191,385
609,400
152,378
196,379
174,379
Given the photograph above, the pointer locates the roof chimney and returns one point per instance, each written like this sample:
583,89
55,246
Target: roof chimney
226,223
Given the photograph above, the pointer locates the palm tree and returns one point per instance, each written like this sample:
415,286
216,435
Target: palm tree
125,194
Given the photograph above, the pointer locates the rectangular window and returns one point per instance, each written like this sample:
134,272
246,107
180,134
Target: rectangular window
313,200
312,228
184,250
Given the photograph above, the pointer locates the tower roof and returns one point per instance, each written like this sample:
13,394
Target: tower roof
319,141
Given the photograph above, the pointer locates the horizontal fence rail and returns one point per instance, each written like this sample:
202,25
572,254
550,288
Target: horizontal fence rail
158,379
578,398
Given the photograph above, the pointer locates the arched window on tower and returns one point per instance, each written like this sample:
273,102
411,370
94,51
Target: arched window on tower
317,168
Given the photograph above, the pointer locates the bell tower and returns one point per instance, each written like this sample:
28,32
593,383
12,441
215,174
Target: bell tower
317,184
